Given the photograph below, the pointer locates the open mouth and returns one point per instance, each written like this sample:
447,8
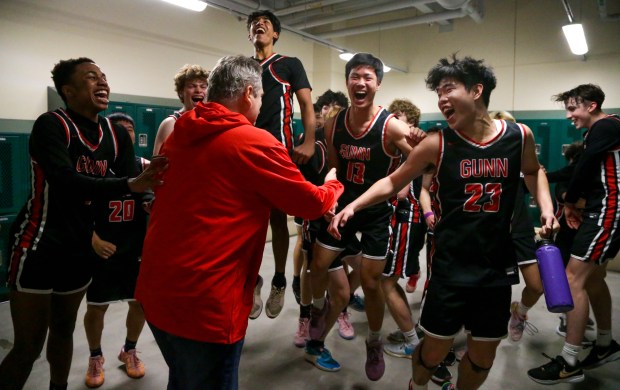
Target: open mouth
197,99
102,96
259,30
448,113
360,95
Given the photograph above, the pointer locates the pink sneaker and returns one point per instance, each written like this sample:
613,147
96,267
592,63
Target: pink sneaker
345,328
303,333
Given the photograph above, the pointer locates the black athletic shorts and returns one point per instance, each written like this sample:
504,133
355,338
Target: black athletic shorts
483,311
114,279
597,241
525,248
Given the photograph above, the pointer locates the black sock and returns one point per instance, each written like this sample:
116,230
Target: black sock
54,386
96,352
279,280
351,298
305,311
315,344
296,280
129,345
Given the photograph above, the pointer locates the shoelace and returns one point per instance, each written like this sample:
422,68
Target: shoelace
529,328
303,325
346,321
95,366
133,360
374,354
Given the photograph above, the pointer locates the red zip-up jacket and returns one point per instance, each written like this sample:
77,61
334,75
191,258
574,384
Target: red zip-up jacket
206,235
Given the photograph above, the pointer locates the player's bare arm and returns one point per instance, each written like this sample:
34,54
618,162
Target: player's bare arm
421,159
303,152
537,184
165,128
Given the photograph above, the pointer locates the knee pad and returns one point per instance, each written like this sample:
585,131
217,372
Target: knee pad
417,356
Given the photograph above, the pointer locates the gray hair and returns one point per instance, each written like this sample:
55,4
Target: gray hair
230,77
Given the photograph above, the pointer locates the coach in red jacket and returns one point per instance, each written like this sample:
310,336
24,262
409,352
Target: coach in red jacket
206,236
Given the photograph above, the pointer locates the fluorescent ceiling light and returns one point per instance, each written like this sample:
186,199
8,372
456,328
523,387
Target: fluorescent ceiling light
345,56
576,38
386,68
194,5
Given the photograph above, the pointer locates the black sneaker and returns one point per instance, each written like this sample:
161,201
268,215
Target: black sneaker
441,375
556,371
450,358
601,355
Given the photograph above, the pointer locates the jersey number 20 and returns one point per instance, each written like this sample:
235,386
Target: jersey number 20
122,210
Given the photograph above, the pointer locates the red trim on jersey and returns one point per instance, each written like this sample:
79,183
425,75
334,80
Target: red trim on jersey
82,139
611,208
65,126
114,138
34,219
370,125
501,132
287,96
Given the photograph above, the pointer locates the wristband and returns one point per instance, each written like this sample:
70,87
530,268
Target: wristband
428,214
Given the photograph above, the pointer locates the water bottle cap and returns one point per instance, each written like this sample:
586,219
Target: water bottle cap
544,242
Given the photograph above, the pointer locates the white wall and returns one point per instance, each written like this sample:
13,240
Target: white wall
140,44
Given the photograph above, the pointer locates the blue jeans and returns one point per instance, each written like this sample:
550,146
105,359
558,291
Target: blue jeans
197,365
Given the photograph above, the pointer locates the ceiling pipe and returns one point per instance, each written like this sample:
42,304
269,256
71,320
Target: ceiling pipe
242,13
335,9
429,18
306,7
361,13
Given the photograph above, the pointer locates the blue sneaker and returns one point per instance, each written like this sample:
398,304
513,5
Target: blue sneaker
322,359
357,303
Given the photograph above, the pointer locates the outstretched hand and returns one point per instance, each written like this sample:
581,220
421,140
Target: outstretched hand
415,136
150,177
339,221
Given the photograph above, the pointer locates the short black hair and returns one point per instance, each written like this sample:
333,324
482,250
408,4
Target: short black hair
365,59
116,117
581,93
62,72
329,97
468,71
269,15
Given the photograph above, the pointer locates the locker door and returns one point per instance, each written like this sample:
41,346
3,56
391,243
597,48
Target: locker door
148,119
14,172
125,108
5,224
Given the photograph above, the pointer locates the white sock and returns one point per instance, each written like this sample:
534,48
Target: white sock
522,309
411,337
373,336
318,302
570,353
603,338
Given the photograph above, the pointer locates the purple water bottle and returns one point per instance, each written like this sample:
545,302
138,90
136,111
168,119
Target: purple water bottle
553,276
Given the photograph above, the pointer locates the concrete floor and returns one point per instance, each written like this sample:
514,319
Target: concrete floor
271,361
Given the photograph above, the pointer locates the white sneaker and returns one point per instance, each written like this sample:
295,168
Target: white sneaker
401,350
275,302
257,306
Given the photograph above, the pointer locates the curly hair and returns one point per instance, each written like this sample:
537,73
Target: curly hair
187,73
411,111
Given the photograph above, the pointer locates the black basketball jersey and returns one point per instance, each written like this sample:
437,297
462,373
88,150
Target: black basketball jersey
70,157
282,77
475,188
597,174
363,159
122,220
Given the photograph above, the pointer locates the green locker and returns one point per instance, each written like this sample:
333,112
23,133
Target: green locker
14,172
148,119
5,225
